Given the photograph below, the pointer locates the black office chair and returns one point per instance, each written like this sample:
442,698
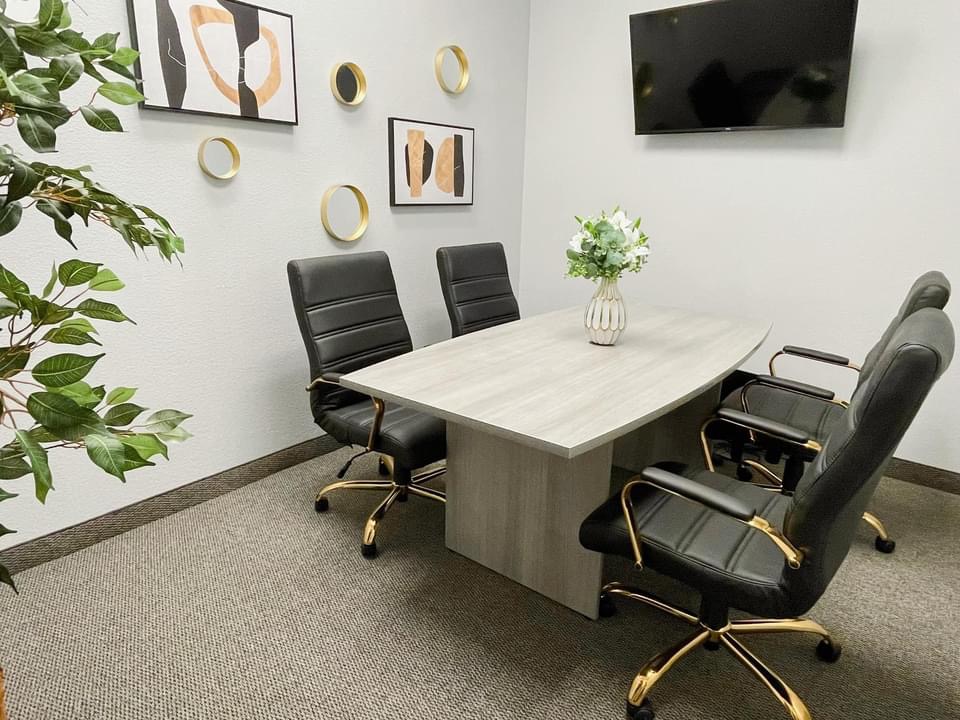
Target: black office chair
476,287
767,554
816,410
350,317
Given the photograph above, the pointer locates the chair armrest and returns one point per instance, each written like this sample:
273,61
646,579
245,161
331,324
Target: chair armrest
713,499
763,425
795,387
333,378
703,494
815,355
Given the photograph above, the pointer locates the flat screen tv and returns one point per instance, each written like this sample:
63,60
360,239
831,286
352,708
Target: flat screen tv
742,65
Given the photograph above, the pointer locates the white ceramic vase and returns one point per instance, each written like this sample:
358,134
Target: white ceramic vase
606,315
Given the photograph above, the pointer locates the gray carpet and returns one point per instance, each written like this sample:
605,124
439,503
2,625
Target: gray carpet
252,606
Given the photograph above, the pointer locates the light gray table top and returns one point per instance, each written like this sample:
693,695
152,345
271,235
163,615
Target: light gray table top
539,382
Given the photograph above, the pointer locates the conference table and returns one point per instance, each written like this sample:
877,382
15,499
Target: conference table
537,417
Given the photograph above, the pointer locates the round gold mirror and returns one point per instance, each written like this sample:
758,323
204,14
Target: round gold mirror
348,83
219,158
345,213
452,69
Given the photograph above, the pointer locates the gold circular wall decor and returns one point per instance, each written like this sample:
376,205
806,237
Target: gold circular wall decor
461,58
361,227
348,83
234,158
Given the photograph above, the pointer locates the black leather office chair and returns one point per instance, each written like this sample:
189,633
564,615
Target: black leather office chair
815,410
350,317
767,554
476,287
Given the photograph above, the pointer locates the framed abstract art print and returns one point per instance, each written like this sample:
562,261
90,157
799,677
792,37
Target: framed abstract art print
216,57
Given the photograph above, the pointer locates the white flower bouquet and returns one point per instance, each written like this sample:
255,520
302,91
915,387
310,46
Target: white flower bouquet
607,246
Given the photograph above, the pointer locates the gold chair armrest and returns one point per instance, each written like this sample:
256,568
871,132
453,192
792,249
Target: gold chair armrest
794,556
780,353
378,405
811,445
796,391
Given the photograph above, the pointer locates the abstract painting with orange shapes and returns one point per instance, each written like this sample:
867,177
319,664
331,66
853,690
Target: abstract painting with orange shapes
430,164
216,57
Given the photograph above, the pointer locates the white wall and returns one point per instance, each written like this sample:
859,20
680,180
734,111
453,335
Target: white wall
821,231
218,338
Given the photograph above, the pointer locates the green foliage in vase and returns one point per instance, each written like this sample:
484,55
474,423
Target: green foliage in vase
606,246
48,338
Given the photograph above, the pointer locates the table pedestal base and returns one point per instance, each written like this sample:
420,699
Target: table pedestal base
517,510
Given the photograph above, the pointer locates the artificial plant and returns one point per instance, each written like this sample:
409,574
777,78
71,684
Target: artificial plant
46,401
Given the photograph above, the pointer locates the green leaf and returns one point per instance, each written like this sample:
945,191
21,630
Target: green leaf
39,464
81,324
165,421
6,578
37,132
120,395
41,43
42,435
101,119
121,93
63,417
125,56
12,464
59,212
4,495
106,281
61,370
81,393
51,11
69,336
73,40
23,181
10,215
13,361
45,312
145,445
66,70
48,288
118,69
175,435
78,272
122,415
101,311
108,453
107,41
12,286
5,531
11,58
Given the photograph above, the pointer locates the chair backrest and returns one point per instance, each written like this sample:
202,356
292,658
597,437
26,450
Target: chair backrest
476,287
837,486
930,290
349,316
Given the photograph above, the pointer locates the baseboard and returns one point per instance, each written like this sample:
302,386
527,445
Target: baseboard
924,475
70,540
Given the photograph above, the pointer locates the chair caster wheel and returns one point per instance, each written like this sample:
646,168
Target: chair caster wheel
828,651
369,551
607,607
321,505
744,473
885,546
382,468
711,646
403,497
643,712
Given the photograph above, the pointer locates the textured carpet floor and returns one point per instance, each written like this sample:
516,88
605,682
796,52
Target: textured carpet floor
252,606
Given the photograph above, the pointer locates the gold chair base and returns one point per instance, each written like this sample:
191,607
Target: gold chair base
395,492
728,638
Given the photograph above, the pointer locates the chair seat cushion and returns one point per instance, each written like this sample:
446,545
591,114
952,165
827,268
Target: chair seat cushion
809,414
412,438
702,548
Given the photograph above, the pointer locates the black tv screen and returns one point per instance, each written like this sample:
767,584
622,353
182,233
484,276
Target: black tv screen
742,64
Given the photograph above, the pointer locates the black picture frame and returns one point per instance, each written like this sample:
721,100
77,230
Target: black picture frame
135,44
391,122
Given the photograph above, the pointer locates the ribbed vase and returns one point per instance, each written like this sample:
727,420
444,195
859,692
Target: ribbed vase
606,316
